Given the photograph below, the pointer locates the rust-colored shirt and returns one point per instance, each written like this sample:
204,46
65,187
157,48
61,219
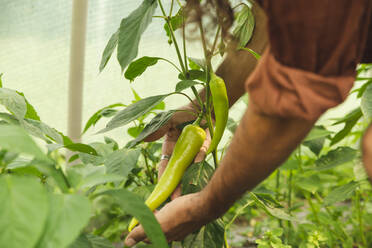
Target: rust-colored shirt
310,63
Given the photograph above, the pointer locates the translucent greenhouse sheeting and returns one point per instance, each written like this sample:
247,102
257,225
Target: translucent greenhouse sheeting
34,57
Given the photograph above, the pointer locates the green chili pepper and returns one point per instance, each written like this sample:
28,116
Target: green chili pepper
220,108
186,148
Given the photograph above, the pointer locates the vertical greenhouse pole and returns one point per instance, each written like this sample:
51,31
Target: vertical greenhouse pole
76,72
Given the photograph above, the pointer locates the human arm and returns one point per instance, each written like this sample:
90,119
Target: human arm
245,164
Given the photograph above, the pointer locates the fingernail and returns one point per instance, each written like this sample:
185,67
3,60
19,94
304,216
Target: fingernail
130,242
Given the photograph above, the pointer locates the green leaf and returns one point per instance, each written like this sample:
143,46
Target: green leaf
212,235
91,241
23,211
67,216
317,132
31,112
79,147
121,162
42,131
197,64
184,84
176,22
341,193
245,24
16,139
131,29
1,81
309,183
137,67
109,49
9,119
315,145
274,212
134,205
231,125
86,176
196,177
366,103
13,102
350,121
133,111
339,156
193,75
157,122
97,115
135,131
363,88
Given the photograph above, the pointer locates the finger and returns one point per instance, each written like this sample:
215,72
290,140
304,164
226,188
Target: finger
158,133
203,150
161,167
176,193
135,236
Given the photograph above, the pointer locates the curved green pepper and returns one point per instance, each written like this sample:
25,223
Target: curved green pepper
220,108
186,148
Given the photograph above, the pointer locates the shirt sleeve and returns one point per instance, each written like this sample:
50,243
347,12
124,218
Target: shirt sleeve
314,47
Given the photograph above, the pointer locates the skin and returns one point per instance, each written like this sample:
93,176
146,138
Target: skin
262,142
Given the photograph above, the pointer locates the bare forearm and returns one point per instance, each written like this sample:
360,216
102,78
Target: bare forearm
260,145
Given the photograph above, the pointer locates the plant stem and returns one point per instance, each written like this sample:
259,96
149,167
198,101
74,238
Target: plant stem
277,184
215,39
184,42
170,62
198,97
181,93
171,8
360,219
149,172
290,186
205,49
173,38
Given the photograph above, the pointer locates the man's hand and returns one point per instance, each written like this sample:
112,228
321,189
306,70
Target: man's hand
172,132
178,218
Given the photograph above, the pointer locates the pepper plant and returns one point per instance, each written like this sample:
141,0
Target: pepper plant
319,197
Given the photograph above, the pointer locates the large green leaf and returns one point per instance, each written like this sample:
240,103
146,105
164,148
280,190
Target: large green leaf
184,84
245,23
157,122
317,132
109,49
366,103
98,115
209,236
23,211
42,130
86,176
131,29
68,214
196,177
309,183
31,112
341,193
350,121
13,102
137,67
134,205
339,156
121,162
274,212
91,241
133,111
17,140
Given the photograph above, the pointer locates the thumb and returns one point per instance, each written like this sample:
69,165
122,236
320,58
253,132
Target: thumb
158,133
